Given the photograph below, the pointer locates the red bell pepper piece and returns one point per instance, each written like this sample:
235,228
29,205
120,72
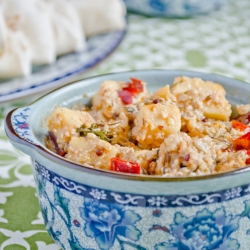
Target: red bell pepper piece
120,165
242,142
126,96
134,87
245,136
238,125
62,153
132,91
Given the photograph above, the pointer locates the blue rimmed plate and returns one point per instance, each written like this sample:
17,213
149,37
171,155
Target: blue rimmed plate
45,78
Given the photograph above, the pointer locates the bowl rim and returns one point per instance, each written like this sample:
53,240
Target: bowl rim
13,136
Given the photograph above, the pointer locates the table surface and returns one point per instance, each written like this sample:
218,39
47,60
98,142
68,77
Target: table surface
217,43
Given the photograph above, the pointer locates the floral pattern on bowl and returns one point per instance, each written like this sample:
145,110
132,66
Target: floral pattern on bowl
115,224
21,124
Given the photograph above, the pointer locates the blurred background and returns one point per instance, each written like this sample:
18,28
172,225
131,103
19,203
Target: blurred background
200,35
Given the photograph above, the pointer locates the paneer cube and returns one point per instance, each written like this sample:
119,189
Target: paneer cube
63,122
107,96
108,101
154,122
91,150
211,96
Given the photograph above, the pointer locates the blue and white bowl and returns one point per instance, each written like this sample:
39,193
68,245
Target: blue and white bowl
173,8
86,208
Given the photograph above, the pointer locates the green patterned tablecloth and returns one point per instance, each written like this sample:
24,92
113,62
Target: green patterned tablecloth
218,43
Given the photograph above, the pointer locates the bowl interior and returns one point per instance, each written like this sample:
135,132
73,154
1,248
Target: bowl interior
80,92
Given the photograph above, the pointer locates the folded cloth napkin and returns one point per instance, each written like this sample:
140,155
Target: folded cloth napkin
32,18
15,52
68,34
37,31
99,16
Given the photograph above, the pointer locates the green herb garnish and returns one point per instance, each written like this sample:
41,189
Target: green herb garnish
103,135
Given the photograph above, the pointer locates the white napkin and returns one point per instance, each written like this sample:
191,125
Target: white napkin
36,31
32,18
15,52
68,33
99,16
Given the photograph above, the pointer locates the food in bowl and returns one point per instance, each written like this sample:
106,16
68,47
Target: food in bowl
182,130
90,208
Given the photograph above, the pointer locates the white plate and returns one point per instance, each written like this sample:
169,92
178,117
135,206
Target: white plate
49,77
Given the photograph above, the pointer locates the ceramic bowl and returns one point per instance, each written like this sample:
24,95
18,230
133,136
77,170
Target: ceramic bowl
86,208
173,8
